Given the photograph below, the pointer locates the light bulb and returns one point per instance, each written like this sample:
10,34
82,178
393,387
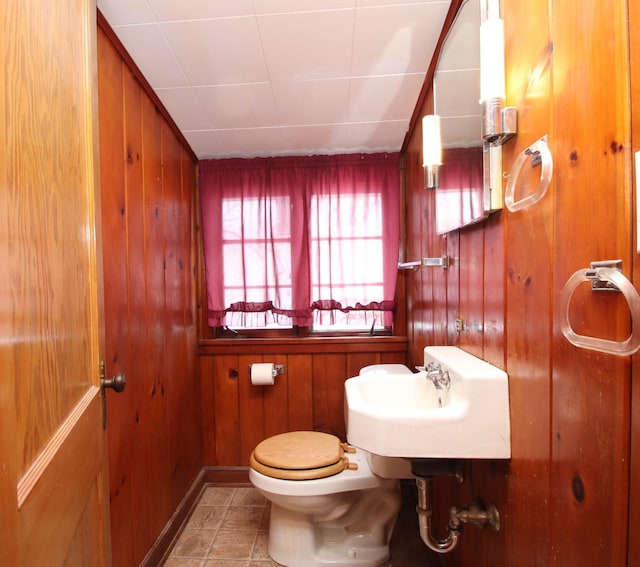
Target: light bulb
431,144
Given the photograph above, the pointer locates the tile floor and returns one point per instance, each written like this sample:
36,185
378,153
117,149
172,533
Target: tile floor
229,527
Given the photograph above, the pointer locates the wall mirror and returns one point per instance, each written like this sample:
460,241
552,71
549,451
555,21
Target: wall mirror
464,196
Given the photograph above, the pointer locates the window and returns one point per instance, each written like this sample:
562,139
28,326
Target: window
256,264
305,242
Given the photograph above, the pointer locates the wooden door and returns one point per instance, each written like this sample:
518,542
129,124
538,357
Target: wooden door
53,509
633,553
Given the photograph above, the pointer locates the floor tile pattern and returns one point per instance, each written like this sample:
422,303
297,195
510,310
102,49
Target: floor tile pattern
229,528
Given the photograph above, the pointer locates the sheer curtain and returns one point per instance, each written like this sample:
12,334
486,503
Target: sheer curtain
300,240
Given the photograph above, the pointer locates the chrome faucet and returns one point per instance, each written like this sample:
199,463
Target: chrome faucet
435,373
439,377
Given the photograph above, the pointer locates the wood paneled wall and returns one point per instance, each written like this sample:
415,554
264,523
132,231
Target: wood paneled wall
148,179
564,495
236,415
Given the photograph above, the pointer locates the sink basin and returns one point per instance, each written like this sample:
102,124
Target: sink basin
406,415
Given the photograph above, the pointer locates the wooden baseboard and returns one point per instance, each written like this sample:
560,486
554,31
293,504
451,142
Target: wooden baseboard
215,476
232,476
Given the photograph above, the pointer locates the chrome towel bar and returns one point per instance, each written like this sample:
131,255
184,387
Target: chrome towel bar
443,262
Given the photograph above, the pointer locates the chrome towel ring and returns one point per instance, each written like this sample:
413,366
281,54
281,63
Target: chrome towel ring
602,278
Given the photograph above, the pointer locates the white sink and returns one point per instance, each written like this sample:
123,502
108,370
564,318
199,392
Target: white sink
406,415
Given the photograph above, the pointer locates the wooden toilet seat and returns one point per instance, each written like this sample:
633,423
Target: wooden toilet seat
301,455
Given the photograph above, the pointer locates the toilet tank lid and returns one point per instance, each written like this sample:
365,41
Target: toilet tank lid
385,369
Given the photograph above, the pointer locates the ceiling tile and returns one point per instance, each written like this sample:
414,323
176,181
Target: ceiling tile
369,3
282,6
204,143
238,106
251,142
396,39
311,102
172,10
120,12
376,136
308,45
321,139
185,108
457,92
218,52
461,49
461,131
246,78
147,46
457,80
375,99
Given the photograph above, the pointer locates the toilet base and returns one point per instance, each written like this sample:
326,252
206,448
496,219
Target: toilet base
359,538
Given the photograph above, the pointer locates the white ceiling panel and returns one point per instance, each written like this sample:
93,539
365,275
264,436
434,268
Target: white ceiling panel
284,6
375,136
396,38
147,45
250,142
461,131
376,99
177,10
223,51
247,78
457,92
321,139
250,106
312,102
124,12
456,83
185,108
307,45
205,143
370,3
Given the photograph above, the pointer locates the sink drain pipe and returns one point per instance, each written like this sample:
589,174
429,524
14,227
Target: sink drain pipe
424,520
474,513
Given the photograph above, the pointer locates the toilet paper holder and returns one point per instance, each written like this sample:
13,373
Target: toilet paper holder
277,369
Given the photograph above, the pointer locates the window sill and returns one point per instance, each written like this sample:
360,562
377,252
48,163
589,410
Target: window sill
242,345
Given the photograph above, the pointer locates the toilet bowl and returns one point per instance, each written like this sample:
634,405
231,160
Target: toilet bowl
343,519
331,505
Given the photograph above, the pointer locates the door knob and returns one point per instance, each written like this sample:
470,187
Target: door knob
117,383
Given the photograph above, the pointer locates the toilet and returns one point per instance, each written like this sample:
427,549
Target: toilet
331,504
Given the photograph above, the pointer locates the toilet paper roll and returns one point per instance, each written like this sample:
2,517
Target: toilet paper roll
262,373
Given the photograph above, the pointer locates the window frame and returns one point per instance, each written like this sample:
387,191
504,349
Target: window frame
339,331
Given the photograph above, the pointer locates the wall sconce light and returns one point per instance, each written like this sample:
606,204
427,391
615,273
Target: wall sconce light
499,123
431,150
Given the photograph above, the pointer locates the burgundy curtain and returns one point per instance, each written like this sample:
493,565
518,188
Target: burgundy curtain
297,239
